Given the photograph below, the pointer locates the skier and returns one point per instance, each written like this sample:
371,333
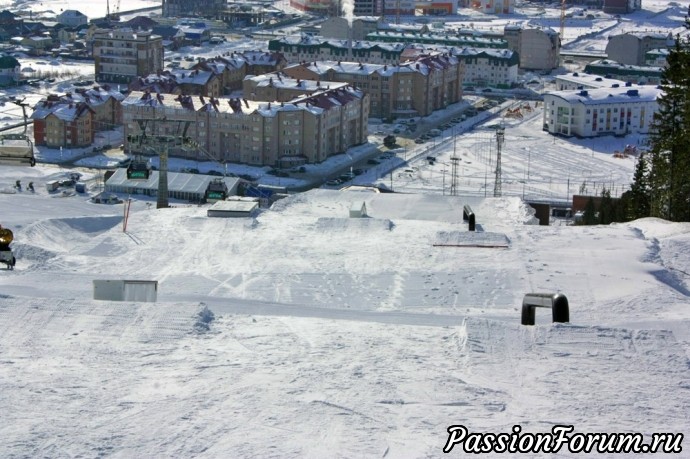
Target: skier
18,185
31,186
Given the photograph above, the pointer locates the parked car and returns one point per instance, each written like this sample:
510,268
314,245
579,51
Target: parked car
334,182
389,140
373,162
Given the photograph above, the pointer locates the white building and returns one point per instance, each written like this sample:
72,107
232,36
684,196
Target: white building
596,112
579,80
488,67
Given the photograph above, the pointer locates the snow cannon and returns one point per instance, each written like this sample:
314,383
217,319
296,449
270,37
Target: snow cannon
6,236
6,255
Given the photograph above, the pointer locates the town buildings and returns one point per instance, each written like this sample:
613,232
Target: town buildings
279,87
414,88
122,55
307,129
214,77
71,120
308,48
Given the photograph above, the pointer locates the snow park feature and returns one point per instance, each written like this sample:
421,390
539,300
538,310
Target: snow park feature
557,302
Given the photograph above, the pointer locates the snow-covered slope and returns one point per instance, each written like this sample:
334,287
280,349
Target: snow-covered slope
332,336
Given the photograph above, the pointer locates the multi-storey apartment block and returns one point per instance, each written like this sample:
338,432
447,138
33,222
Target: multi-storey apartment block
414,88
122,55
306,48
393,36
279,87
214,77
630,48
596,112
62,122
181,8
634,73
307,129
539,48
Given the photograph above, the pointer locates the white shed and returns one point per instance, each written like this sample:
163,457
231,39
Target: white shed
358,210
125,290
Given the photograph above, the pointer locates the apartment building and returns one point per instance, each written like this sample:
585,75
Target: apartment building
213,77
497,68
122,55
630,48
604,111
106,104
279,87
579,80
419,38
539,48
182,8
415,88
307,48
59,122
358,29
307,129
656,57
634,73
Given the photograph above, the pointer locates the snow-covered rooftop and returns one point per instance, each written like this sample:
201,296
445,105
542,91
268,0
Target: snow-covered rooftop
609,95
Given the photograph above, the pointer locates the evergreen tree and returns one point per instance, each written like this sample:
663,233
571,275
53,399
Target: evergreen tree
589,217
636,201
606,207
669,187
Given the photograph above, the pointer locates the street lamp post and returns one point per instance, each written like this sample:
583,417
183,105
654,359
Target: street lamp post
444,183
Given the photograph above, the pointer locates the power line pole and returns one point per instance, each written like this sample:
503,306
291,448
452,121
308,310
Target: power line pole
500,136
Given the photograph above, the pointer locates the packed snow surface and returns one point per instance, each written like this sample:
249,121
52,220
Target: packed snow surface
306,333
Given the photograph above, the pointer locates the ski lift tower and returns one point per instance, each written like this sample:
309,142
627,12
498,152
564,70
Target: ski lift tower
454,168
500,137
160,145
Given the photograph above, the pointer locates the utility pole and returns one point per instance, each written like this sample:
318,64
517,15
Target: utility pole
500,136
454,175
